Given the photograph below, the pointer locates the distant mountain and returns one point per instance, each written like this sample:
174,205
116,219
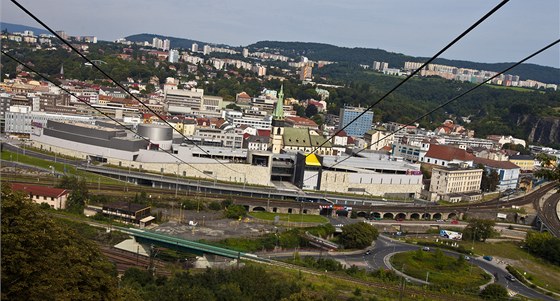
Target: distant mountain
175,42
319,51
21,28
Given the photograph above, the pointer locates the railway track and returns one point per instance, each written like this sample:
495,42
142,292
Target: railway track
125,260
130,190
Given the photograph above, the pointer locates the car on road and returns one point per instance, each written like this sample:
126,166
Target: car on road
454,222
486,257
510,278
425,248
367,252
467,258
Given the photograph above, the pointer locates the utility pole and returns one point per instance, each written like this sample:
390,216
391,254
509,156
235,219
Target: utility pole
401,292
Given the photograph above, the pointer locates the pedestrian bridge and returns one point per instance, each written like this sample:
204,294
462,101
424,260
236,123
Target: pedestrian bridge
175,243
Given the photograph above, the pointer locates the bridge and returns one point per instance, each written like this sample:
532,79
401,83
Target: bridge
548,214
149,237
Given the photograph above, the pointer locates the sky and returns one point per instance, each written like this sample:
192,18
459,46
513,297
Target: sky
412,27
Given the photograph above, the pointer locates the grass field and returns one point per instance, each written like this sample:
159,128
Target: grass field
520,89
296,218
441,270
537,270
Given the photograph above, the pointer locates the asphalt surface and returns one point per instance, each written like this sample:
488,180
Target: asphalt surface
385,247
550,214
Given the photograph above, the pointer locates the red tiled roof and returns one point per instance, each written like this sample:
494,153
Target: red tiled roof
296,120
40,190
387,148
341,133
448,153
243,95
263,133
496,164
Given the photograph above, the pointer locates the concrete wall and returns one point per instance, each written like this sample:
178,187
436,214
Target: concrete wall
76,149
237,172
372,184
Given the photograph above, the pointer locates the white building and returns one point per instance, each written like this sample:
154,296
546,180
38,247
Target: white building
237,119
206,49
173,56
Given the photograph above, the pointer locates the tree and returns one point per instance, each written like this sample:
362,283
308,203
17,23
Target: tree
494,291
79,193
233,107
42,259
544,245
479,230
358,235
490,180
235,211
311,110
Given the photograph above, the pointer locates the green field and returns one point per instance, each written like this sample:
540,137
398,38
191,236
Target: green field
441,270
519,89
538,271
295,218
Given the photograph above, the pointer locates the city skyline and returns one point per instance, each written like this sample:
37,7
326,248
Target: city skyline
408,27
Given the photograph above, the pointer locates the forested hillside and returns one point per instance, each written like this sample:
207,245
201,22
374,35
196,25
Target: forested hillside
531,115
319,51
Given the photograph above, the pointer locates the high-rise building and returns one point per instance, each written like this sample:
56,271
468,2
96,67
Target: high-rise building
245,52
358,127
194,47
306,72
166,45
173,56
62,34
206,50
157,43
380,66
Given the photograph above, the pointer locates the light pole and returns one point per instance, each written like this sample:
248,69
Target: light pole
52,171
176,183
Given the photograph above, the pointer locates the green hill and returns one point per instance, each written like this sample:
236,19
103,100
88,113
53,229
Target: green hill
319,51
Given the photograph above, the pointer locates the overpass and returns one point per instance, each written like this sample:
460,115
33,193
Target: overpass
548,214
149,237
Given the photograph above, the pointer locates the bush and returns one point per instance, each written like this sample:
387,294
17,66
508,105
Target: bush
215,206
358,235
494,292
235,211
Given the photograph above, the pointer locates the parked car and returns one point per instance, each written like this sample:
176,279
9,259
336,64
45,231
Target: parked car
368,252
425,248
486,257
454,222
467,258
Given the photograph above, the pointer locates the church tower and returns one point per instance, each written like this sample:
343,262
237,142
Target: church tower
278,123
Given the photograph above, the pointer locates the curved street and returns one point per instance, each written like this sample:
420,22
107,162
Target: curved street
384,247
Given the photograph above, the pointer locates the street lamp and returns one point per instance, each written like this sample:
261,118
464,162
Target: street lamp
52,171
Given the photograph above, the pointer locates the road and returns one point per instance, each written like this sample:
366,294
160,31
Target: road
549,214
385,247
